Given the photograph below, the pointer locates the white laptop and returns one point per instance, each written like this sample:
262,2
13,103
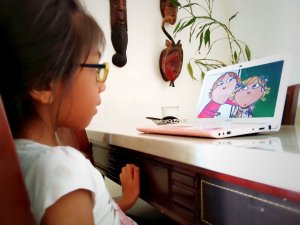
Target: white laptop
240,99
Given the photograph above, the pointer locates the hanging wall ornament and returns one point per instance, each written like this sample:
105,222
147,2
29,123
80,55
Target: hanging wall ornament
119,36
167,8
171,58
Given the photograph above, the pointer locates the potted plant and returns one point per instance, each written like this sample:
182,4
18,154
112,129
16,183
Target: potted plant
208,32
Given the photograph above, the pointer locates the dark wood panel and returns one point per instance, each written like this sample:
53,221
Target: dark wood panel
223,203
192,195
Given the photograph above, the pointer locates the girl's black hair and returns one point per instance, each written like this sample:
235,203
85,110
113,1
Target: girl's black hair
41,41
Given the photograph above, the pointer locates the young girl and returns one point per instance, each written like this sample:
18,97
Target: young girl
49,54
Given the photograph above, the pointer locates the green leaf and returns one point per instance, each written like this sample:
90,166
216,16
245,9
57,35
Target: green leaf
204,17
176,3
207,37
187,23
200,41
177,26
190,5
190,21
201,29
190,70
235,57
202,74
182,26
233,16
192,32
248,53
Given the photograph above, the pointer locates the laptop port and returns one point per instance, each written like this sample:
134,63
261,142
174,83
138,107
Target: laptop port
228,132
261,128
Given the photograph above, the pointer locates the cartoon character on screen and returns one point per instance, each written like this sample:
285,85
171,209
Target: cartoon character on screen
247,94
220,94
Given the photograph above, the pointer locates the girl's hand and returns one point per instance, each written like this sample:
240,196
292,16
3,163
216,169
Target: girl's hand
130,182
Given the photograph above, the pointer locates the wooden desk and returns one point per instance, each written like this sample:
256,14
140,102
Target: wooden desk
242,180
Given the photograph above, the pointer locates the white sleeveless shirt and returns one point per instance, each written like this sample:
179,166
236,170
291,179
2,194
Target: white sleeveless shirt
52,172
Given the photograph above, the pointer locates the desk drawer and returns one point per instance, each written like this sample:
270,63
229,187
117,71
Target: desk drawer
184,193
224,203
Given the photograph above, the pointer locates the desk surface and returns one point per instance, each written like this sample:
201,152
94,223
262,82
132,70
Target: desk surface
272,159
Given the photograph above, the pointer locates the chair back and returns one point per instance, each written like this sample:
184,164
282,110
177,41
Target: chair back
14,201
290,106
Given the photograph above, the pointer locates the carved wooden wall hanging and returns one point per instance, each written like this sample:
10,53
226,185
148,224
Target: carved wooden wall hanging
119,36
167,8
171,58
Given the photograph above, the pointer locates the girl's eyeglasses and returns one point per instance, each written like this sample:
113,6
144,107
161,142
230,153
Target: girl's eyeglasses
102,70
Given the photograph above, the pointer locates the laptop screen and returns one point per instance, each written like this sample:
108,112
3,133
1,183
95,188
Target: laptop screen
249,92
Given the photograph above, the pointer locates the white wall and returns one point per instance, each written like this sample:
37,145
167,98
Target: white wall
137,90
271,27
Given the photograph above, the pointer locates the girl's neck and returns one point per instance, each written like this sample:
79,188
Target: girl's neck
40,132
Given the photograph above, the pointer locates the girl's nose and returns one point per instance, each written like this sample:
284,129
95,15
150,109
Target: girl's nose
102,87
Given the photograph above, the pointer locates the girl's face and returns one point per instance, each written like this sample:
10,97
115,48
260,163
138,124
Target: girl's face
249,94
223,89
78,105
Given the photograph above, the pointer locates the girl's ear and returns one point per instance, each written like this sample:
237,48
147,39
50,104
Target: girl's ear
42,96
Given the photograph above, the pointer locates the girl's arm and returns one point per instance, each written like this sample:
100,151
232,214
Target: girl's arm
130,182
74,208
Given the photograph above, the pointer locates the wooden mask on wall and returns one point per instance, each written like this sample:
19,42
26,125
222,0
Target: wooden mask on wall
171,58
167,8
170,62
119,36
